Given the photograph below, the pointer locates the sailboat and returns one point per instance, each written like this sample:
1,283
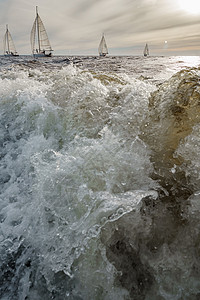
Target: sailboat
103,50
9,47
146,50
40,44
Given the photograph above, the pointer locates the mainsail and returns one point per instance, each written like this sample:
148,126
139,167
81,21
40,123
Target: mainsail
40,44
9,47
146,50
103,50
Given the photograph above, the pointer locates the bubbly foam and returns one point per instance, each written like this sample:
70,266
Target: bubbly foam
86,212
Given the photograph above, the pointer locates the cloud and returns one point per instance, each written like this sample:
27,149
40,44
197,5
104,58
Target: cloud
76,25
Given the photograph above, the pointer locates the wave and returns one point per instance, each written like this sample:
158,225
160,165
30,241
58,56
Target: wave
99,184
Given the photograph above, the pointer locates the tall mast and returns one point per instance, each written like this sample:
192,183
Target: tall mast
7,38
38,28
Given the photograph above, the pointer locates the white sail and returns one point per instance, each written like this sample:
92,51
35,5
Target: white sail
33,32
146,50
103,49
9,47
40,44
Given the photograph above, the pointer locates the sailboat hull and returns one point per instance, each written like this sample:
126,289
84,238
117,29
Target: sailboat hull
42,55
11,55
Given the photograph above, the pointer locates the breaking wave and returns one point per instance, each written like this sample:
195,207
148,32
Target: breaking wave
99,184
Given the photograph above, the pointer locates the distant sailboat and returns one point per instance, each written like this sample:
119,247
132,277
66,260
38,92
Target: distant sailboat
9,47
40,44
103,50
146,50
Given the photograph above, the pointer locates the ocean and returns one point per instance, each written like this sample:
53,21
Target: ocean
100,178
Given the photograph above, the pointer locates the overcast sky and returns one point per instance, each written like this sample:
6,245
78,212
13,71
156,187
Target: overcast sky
75,26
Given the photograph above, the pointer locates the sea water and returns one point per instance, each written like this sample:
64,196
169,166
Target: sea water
100,178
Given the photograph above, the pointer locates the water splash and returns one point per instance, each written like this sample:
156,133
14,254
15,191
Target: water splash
91,207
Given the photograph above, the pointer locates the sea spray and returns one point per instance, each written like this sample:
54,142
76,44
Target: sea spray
85,212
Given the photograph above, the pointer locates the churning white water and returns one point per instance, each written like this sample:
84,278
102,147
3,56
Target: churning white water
100,178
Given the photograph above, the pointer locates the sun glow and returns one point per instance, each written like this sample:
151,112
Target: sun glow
191,6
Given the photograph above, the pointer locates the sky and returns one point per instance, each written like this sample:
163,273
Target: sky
75,27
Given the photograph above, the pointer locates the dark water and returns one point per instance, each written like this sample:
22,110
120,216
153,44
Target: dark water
99,178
